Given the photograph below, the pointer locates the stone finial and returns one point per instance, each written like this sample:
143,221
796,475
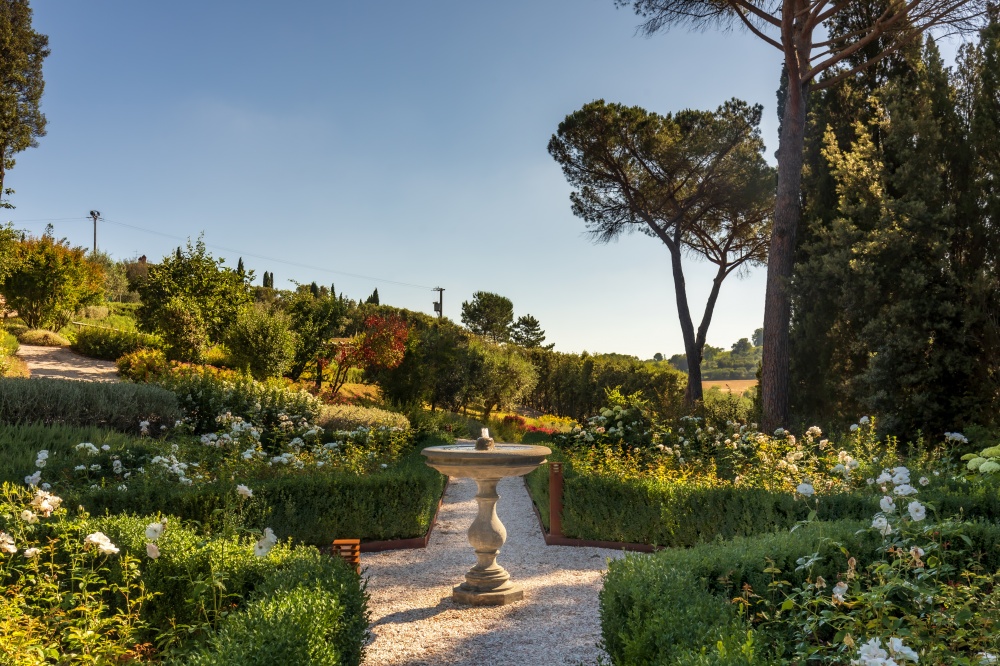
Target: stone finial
485,443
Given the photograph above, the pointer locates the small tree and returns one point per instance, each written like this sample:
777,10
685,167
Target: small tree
261,342
314,320
489,315
182,327
696,180
380,347
504,377
48,280
199,280
527,332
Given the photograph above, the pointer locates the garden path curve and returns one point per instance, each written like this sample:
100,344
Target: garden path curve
415,622
62,363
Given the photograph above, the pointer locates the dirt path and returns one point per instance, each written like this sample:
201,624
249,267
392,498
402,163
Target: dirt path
415,622
61,363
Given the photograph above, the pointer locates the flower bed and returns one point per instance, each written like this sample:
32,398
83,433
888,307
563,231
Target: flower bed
891,590
127,588
367,484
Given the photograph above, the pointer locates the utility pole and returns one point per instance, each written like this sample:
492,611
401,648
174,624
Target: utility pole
95,214
439,306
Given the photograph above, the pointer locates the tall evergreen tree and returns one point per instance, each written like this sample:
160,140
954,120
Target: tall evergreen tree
891,315
373,299
527,332
22,51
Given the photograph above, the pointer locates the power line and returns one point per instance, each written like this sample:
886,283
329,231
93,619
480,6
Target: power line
240,252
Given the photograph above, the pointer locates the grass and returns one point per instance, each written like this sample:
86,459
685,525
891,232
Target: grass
730,385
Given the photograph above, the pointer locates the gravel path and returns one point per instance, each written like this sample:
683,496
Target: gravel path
61,363
415,622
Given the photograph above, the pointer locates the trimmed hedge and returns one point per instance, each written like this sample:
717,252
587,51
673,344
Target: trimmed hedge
669,607
110,344
111,405
349,417
660,513
313,508
187,559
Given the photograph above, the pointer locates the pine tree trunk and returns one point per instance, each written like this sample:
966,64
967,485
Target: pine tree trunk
781,256
693,392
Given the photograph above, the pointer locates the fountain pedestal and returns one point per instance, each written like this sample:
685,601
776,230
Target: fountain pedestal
487,583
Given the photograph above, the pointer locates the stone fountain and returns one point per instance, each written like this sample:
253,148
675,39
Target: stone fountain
487,583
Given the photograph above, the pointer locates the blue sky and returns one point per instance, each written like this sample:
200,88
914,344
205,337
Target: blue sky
395,140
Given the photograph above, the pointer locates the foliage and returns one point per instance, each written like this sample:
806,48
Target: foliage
116,285
576,385
190,292
739,362
118,406
489,315
646,597
260,341
143,365
114,590
897,214
350,417
111,344
504,377
380,348
527,332
204,392
314,320
696,180
49,280
42,338
21,86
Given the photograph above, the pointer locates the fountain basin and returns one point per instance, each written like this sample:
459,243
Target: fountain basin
487,583
462,460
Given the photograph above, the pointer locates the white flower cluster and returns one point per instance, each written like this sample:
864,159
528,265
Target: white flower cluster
45,503
872,653
863,421
103,543
87,448
7,544
266,543
899,477
153,532
956,437
175,466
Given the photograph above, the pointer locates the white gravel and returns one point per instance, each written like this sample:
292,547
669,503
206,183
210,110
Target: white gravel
414,620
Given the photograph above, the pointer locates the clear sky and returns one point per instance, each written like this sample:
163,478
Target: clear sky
396,140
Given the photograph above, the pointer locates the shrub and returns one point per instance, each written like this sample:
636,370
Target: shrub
196,584
183,330
19,445
646,598
111,344
8,342
42,338
311,507
260,341
296,628
204,393
117,406
143,365
49,281
349,417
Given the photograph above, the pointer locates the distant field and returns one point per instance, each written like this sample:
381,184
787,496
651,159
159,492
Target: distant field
731,385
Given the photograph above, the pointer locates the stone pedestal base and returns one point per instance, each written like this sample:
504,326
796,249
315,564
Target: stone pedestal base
505,594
